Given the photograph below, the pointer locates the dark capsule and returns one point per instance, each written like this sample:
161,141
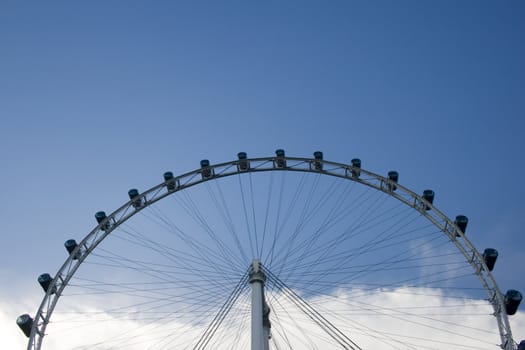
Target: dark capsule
428,195
461,222
25,322
280,162
490,255
170,182
243,164
393,176
70,245
134,197
45,280
318,164
133,193
512,301
206,171
101,216
356,167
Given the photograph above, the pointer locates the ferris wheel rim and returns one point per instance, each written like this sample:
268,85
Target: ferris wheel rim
317,165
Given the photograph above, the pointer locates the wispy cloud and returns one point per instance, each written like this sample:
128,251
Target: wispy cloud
402,318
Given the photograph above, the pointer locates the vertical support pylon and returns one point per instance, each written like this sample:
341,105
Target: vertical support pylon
260,309
266,325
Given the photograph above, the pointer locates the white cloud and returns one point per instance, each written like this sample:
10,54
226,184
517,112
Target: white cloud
386,320
12,337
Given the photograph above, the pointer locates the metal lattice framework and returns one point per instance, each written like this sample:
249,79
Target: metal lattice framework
276,163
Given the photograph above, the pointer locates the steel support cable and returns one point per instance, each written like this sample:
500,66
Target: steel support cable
167,224
384,261
154,273
247,221
178,312
376,335
371,245
326,325
399,311
166,251
280,225
440,342
289,244
309,265
254,216
382,337
125,337
267,212
217,321
158,271
170,341
219,317
193,212
227,218
396,316
324,226
323,251
322,323
202,251
391,266
243,320
426,317
357,274
278,330
227,254
191,284
276,232
328,286
128,334
232,328
305,336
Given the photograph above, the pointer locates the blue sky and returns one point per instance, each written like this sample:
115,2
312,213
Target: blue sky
99,97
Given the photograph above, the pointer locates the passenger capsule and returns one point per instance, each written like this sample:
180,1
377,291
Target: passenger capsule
70,245
318,156
461,222
45,280
243,164
490,255
428,195
133,193
206,171
393,176
356,164
25,322
134,197
280,162
512,301
170,182
101,216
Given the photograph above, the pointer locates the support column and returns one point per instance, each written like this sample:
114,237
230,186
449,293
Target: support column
260,310
266,325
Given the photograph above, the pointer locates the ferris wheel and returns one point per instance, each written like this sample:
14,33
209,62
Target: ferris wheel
275,253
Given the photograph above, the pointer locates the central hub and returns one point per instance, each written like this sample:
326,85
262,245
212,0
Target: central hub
260,309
